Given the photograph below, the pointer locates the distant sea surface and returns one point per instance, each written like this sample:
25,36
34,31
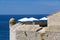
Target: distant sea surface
4,23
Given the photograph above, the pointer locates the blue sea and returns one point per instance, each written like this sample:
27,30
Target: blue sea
4,23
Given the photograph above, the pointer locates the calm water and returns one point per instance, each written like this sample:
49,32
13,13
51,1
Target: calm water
4,23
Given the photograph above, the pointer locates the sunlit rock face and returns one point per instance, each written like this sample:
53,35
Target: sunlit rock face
26,30
21,31
53,29
54,22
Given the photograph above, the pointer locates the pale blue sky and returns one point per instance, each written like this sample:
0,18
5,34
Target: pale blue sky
21,7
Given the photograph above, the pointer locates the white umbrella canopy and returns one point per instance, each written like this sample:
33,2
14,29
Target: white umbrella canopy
44,18
27,19
32,19
23,19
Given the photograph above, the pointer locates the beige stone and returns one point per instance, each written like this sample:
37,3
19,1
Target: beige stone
54,22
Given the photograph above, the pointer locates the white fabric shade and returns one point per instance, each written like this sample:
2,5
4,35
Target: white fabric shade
32,19
23,19
27,19
44,18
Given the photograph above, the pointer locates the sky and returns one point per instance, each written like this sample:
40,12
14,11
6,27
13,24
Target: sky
31,7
